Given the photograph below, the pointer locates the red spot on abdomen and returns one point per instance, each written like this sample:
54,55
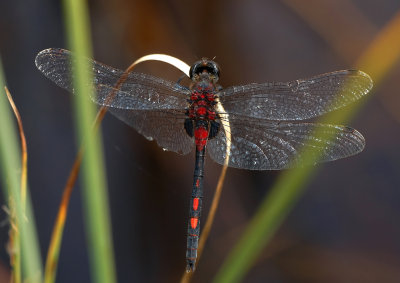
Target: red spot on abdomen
200,133
195,203
193,222
197,183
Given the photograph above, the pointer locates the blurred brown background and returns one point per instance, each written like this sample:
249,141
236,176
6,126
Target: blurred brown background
345,227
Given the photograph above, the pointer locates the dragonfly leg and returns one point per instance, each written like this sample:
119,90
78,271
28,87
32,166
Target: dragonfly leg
179,86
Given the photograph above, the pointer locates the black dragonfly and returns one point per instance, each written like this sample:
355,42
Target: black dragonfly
266,129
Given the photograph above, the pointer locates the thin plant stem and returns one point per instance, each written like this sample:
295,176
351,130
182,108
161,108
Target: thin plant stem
14,242
23,248
24,149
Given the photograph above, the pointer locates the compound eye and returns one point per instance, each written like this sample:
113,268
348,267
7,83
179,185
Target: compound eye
213,68
195,69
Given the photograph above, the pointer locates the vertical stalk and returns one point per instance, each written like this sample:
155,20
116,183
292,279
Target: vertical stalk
25,247
94,190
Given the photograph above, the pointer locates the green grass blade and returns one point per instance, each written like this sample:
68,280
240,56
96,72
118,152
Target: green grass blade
94,189
269,216
10,162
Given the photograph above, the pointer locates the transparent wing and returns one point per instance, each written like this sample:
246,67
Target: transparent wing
166,127
270,145
296,100
153,106
138,91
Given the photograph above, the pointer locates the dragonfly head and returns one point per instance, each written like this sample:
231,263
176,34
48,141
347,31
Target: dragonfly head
204,67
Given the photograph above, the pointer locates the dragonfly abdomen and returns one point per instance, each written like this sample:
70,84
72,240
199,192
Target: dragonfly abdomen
195,211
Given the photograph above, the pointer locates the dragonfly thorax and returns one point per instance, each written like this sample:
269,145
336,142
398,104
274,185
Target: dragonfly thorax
201,113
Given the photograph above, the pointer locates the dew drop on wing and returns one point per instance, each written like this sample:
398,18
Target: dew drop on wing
149,138
164,149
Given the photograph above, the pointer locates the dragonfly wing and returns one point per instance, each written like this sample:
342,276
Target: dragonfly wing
166,127
138,91
270,145
296,100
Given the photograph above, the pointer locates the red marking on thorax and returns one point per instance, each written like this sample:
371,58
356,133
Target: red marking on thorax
194,96
201,111
195,203
193,222
210,96
202,108
197,183
211,115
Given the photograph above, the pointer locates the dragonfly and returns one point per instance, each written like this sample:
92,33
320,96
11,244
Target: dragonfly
266,129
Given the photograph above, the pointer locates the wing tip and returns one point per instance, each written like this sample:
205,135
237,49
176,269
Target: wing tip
357,138
368,80
48,52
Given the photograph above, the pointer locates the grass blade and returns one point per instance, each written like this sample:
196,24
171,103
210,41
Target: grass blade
24,243
15,258
291,184
98,223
